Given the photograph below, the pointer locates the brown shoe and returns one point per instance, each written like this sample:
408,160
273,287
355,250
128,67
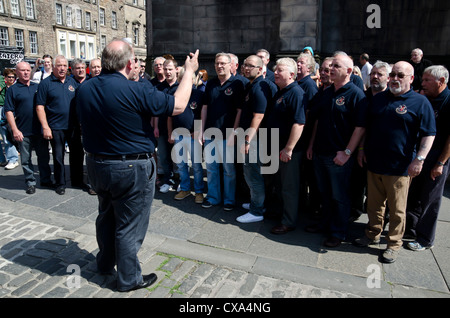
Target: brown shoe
182,195
332,242
199,198
281,229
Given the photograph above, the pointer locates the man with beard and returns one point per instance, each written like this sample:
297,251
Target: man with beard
392,156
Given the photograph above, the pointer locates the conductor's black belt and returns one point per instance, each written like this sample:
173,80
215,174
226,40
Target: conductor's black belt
139,156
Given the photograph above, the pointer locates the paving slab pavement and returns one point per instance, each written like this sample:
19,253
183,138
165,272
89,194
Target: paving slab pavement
200,253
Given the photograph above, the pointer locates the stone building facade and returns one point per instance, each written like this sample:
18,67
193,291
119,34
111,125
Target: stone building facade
285,27
73,28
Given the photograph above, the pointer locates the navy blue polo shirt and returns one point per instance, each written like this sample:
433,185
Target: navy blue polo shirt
191,113
357,80
258,95
441,107
394,128
223,102
20,99
170,90
310,88
58,99
286,110
338,114
115,114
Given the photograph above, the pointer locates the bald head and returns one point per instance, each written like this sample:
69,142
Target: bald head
341,69
23,72
401,78
118,56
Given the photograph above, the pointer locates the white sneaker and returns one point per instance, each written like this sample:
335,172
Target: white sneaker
12,165
249,218
164,188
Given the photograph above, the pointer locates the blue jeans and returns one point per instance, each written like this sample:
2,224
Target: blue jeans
333,182
183,146
10,154
217,152
255,182
125,192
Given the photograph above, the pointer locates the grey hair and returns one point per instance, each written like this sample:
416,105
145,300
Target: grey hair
289,63
265,52
114,59
224,54
58,57
438,72
158,58
76,61
310,60
381,64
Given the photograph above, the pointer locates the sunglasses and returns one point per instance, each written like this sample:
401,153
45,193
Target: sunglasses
400,75
10,77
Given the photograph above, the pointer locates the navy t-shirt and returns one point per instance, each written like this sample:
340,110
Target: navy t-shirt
162,121
58,99
311,89
441,107
191,113
258,95
338,114
20,99
223,102
286,110
115,114
394,128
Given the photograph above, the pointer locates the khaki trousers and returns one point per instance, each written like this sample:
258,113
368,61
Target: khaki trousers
394,190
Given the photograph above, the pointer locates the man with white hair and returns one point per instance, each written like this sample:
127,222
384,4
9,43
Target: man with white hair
420,64
393,156
425,193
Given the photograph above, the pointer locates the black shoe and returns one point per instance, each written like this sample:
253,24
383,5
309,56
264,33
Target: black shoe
206,204
147,280
31,189
228,207
60,190
50,185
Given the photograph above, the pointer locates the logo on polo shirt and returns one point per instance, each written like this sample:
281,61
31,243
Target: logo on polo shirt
229,91
401,110
247,98
71,88
340,101
280,100
193,105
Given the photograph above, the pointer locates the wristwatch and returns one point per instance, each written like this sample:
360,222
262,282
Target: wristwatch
247,142
348,152
420,158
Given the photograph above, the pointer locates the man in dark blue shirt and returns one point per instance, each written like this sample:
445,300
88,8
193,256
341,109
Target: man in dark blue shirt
287,115
55,102
340,115
426,190
220,112
168,86
25,126
258,95
115,115
392,155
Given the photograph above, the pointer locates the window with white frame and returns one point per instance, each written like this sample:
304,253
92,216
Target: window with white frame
4,37
59,14
136,35
33,42
69,16
18,34
29,8
2,7
114,20
87,21
103,42
78,13
101,16
15,8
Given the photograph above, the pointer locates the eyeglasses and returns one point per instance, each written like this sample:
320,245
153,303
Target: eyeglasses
400,75
10,77
221,64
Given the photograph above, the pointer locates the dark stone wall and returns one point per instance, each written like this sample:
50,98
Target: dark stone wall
405,25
